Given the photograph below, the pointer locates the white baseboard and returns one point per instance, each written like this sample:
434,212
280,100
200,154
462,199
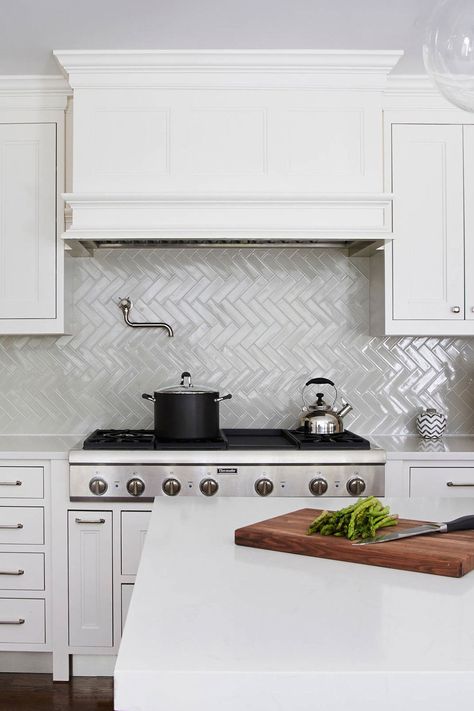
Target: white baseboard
27,662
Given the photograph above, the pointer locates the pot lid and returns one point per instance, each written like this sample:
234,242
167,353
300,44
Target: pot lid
186,387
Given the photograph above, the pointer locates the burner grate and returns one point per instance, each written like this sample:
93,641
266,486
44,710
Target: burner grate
120,439
341,440
235,439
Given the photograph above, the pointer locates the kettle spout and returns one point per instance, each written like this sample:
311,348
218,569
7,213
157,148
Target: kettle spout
345,409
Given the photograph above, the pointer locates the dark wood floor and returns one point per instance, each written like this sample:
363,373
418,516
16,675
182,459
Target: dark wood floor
37,692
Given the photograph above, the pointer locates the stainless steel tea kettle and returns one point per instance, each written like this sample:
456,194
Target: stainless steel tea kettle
319,418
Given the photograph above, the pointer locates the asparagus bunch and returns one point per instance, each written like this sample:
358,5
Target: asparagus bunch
360,520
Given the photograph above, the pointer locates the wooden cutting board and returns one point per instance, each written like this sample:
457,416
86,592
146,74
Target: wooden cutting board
450,554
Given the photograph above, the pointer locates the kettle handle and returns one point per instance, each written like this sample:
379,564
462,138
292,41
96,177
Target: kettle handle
320,381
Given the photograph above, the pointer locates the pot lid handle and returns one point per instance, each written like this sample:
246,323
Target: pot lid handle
186,379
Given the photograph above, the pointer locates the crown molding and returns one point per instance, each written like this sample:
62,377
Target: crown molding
33,92
228,68
418,91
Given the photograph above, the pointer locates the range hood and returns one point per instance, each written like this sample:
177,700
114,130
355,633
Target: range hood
227,148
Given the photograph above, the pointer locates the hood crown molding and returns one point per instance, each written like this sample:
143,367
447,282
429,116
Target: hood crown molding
274,68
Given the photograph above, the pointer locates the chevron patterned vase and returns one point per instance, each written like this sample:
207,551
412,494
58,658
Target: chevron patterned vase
431,424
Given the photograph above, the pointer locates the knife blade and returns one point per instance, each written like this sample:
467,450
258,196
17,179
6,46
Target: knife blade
464,523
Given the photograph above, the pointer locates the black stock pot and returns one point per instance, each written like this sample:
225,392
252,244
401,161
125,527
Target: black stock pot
186,411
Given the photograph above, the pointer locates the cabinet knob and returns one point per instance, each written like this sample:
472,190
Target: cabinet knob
456,309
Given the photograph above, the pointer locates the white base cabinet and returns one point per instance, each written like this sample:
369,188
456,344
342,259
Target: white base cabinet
25,557
102,557
90,578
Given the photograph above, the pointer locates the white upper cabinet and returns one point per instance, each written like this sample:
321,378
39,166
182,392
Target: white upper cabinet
423,284
469,222
28,221
428,222
228,144
31,209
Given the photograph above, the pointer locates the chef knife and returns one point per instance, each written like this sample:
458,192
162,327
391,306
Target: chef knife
464,523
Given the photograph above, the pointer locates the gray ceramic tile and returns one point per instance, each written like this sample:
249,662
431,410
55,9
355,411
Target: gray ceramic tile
256,323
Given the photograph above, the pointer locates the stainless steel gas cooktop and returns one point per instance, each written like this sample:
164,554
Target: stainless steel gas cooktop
120,465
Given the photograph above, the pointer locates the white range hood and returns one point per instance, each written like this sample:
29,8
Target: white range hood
227,145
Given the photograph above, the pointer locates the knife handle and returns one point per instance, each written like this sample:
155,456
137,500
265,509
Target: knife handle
464,523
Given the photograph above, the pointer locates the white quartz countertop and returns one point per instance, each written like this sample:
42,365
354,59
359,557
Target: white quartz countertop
219,627
38,446
414,447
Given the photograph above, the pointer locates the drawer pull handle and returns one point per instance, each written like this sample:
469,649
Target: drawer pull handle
12,572
85,520
19,621
452,483
11,483
11,525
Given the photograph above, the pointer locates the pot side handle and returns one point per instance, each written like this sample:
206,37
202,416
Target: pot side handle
145,396
224,397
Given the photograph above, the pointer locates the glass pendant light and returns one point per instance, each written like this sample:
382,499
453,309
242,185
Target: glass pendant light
448,51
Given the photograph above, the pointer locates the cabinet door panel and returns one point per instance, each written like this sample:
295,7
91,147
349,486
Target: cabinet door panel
469,217
90,578
27,221
134,528
428,247
127,591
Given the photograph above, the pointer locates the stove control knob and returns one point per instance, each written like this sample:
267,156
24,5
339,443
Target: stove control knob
208,487
318,486
98,486
356,486
263,487
135,486
171,487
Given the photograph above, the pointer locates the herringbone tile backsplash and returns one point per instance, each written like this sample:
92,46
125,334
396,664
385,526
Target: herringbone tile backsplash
256,323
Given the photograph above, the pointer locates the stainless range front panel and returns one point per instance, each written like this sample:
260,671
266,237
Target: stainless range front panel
143,482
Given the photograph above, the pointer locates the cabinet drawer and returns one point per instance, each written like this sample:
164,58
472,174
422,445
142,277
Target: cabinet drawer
134,528
21,571
448,482
22,482
22,621
21,524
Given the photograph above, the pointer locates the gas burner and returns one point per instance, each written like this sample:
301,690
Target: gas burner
120,439
145,439
340,440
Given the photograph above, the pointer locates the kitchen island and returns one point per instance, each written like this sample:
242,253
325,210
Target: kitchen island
217,627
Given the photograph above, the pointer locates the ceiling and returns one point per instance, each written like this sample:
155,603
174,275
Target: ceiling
31,29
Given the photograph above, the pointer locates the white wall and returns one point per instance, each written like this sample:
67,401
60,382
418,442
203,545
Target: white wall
30,29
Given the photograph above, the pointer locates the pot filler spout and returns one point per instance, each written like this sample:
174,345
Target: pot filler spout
126,305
